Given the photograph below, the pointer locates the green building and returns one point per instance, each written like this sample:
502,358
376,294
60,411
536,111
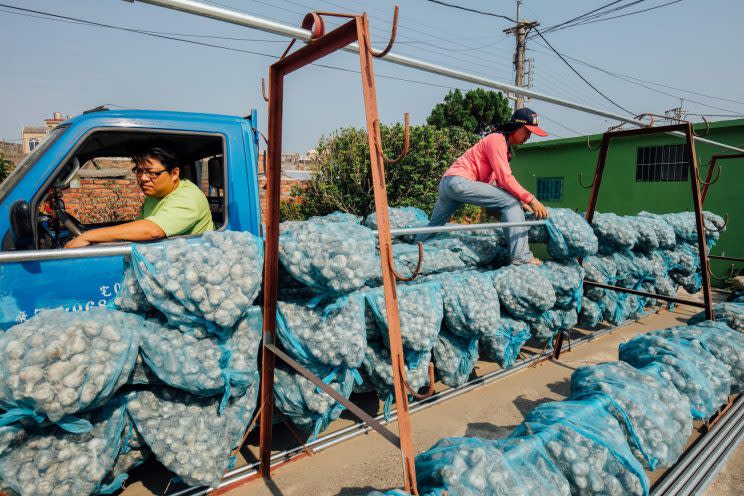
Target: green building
642,173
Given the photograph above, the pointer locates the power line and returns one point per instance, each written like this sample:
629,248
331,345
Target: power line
629,13
459,7
72,20
640,82
549,29
582,77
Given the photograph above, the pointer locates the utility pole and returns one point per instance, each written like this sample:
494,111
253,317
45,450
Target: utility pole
676,114
520,31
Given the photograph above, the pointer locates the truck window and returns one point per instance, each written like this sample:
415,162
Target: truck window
96,187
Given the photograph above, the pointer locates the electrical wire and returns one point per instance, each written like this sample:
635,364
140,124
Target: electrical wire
623,15
466,9
582,77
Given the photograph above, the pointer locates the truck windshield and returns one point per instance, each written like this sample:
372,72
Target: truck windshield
28,162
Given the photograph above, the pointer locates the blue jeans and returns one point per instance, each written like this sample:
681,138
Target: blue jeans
454,191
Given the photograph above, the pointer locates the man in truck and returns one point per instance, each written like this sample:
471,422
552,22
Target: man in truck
172,206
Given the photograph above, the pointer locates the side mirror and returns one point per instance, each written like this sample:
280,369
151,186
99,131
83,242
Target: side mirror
22,226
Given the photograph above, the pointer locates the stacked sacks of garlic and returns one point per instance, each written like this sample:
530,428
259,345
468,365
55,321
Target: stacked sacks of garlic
503,342
655,417
59,363
48,461
211,280
695,372
187,434
587,445
328,256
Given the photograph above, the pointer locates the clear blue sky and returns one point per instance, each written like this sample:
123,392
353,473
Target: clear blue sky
67,67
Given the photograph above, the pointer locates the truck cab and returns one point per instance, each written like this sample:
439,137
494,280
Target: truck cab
80,178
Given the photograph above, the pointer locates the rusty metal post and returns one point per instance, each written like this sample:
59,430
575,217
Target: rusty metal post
713,161
597,182
385,241
699,221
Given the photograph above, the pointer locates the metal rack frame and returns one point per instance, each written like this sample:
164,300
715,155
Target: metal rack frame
687,129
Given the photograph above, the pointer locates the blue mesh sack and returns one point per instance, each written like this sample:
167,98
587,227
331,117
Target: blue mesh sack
718,339
401,218
336,217
568,235
435,260
187,433
479,247
206,366
567,281
503,343
732,313
308,406
591,313
59,363
378,369
656,418
685,227
421,311
647,239
49,461
474,467
455,358
601,269
333,335
694,372
524,291
131,297
209,280
328,256
552,322
614,232
665,235
587,445
471,305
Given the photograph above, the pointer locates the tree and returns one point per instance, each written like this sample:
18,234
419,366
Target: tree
4,167
342,177
477,112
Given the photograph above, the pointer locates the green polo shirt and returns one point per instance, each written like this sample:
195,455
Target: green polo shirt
184,211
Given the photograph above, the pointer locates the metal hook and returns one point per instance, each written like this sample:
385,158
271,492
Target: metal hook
416,272
406,141
589,145
390,42
581,181
722,279
313,22
429,390
717,229
263,90
707,128
712,181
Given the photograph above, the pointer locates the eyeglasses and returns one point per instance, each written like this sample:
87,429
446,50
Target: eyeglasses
151,174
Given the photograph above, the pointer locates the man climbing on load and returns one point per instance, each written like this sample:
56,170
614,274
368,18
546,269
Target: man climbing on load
172,206
482,176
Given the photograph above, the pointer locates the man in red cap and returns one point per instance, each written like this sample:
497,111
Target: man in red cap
482,176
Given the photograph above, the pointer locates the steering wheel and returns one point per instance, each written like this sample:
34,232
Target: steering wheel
69,221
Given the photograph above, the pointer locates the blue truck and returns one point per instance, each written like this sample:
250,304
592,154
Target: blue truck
218,152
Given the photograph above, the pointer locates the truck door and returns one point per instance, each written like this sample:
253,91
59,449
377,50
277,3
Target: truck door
90,186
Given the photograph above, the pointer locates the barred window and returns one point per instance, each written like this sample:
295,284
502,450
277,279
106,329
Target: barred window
662,163
550,189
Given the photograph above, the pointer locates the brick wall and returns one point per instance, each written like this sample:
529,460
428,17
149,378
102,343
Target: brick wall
286,188
104,200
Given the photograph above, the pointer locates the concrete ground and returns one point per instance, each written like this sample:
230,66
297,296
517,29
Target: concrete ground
368,462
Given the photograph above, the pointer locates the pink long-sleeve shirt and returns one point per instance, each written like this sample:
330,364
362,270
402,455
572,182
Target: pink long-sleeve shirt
488,162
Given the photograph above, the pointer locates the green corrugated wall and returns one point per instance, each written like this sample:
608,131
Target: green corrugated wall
620,193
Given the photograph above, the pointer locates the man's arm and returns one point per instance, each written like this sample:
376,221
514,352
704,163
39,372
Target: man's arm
138,230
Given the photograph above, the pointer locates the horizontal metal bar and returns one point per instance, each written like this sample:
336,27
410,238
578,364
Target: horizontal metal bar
681,301
721,257
361,414
247,20
62,254
352,431
677,481
462,227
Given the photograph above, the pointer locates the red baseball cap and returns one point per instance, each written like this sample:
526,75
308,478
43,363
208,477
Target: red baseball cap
527,118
